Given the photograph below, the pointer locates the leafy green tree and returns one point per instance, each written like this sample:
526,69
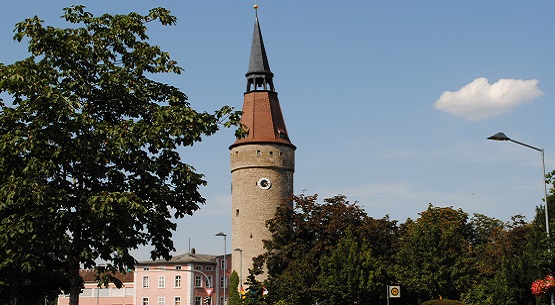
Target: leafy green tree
316,246
504,256
351,274
539,221
333,253
433,256
486,254
521,262
529,253
89,167
303,233
443,302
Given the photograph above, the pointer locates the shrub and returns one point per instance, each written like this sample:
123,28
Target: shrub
443,302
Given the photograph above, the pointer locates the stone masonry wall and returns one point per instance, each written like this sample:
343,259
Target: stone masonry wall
253,201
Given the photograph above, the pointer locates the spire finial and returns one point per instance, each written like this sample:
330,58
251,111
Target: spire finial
255,9
259,74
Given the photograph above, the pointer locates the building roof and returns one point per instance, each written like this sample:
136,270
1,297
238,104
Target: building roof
89,276
263,120
262,116
258,64
184,258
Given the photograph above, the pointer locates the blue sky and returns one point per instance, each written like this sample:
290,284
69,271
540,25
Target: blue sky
388,102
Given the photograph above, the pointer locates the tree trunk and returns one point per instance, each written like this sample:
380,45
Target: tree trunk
75,281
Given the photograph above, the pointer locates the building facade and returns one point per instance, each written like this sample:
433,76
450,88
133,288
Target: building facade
262,162
186,279
111,295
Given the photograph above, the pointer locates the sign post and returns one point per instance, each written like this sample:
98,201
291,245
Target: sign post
208,291
393,292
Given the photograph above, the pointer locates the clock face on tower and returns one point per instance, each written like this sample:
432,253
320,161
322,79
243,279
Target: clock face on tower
264,183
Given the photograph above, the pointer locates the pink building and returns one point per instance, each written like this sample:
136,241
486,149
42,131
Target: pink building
186,279
93,295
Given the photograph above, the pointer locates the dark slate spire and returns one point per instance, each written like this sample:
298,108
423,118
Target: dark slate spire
259,76
262,116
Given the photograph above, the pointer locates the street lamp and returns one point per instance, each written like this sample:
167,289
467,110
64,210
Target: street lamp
224,265
502,137
240,265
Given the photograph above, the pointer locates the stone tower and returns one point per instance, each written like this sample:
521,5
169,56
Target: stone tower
262,163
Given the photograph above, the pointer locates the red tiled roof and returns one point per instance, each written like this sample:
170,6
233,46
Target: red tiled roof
182,259
88,276
263,119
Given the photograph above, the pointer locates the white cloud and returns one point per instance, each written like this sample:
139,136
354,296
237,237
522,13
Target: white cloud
480,100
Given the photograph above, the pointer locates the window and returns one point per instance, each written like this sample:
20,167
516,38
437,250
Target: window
222,263
145,301
161,301
198,300
177,282
161,281
208,281
208,268
198,267
198,282
146,268
222,281
145,281
177,301
177,267
222,301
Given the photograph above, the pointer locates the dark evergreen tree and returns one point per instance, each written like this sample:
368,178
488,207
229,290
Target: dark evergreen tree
234,296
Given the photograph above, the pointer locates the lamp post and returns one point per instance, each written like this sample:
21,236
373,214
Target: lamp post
502,137
240,266
224,265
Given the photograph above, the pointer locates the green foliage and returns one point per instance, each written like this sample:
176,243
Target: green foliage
508,260
256,292
443,302
352,274
433,256
282,302
234,296
317,253
89,167
301,236
333,253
